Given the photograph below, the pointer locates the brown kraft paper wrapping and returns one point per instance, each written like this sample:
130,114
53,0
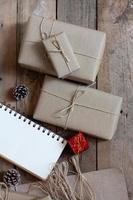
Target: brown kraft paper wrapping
79,108
60,53
88,46
107,184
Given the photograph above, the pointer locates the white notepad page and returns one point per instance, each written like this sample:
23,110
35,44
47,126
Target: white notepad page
35,149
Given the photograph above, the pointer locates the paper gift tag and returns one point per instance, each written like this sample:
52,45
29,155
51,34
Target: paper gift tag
61,54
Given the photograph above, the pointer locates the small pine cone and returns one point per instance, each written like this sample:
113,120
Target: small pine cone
20,92
11,177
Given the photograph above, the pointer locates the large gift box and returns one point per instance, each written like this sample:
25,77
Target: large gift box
88,46
108,184
70,105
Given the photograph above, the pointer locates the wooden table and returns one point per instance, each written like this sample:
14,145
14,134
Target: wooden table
115,17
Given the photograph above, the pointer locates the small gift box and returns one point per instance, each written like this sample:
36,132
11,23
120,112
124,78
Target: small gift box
88,46
78,143
60,52
79,108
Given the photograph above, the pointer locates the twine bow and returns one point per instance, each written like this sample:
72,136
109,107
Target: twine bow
60,50
55,43
66,112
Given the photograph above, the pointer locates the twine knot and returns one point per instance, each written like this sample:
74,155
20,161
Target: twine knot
60,50
66,112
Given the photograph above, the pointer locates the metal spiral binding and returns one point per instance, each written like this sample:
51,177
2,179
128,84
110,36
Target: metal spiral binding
30,122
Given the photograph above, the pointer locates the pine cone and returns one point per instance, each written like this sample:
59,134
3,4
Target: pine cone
11,177
20,92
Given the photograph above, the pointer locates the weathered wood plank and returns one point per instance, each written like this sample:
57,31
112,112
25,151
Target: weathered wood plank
81,13
116,76
7,56
31,79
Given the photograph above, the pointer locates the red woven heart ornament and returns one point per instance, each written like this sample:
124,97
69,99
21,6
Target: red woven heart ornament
78,143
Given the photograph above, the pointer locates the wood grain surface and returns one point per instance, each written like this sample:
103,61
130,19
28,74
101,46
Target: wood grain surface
7,56
116,77
115,17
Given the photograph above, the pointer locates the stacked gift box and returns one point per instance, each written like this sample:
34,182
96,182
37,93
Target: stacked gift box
74,53
70,56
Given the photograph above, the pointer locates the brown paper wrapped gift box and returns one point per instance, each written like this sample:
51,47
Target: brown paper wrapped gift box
108,184
61,54
88,46
79,108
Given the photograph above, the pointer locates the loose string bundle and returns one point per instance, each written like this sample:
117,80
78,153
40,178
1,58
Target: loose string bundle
58,187
84,189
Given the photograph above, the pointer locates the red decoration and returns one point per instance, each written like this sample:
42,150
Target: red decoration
78,143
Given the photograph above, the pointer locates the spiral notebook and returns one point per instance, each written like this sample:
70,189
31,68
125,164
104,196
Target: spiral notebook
27,144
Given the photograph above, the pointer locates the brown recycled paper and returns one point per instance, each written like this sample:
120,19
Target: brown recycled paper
60,53
88,46
108,184
71,106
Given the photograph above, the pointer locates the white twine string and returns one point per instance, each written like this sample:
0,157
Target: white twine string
43,34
